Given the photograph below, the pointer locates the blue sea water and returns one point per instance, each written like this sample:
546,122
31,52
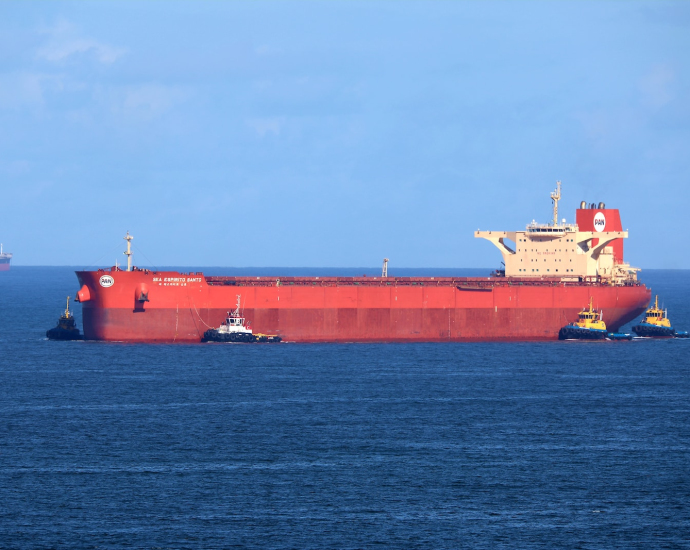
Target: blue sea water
482,445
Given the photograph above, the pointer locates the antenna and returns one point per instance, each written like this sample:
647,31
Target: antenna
555,197
384,271
67,310
128,253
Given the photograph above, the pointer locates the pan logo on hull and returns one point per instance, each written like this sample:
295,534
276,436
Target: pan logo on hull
599,222
106,281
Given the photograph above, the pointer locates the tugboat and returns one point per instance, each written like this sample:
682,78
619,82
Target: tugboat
233,329
656,324
66,328
589,326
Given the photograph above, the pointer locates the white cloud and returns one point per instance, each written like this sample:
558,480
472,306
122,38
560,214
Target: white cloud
15,168
264,126
150,100
64,43
58,51
23,89
657,86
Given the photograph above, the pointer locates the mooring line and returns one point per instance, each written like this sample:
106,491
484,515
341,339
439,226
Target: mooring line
199,316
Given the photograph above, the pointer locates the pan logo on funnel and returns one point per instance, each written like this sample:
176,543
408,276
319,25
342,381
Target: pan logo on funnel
106,281
599,222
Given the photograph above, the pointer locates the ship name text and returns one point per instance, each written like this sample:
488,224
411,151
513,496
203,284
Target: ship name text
176,281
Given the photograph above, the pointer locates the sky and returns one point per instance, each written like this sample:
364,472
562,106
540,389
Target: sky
307,134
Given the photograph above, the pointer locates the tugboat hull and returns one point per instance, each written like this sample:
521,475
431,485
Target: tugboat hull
59,333
652,331
215,335
576,333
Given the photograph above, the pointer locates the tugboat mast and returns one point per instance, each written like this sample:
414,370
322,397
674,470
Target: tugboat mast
67,309
128,253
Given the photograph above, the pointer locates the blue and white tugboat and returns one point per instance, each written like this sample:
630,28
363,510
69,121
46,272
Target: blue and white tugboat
234,329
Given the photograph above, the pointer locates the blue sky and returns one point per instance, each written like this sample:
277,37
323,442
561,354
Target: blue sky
334,134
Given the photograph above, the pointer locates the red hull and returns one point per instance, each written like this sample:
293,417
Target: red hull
181,307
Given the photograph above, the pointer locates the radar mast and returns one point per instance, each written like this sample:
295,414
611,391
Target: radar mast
555,197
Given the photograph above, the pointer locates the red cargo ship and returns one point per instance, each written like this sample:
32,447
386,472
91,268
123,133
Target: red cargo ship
551,271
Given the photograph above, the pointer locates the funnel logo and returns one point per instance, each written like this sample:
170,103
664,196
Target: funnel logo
599,222
106,281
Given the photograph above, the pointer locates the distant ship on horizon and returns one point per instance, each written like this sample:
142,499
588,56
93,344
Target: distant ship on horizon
5,259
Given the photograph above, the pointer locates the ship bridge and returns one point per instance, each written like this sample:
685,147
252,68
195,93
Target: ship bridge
544,229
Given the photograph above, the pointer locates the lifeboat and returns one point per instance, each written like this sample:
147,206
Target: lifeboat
656,324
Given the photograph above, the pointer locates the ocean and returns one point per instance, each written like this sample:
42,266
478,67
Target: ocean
478,445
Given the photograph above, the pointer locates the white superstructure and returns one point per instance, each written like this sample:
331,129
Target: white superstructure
234,322
560,250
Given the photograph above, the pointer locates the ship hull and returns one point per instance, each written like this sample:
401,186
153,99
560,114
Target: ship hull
144,306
